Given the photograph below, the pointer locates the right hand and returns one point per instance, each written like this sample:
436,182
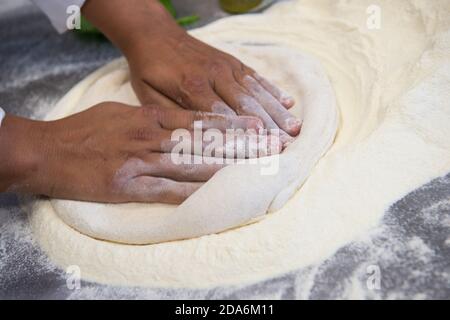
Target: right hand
117,153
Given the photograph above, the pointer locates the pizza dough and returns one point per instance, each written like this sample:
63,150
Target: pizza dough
392,91
235,195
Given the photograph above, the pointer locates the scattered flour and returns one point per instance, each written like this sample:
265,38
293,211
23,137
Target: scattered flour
393,99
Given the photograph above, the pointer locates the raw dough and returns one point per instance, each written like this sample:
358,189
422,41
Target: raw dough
235,195
392,89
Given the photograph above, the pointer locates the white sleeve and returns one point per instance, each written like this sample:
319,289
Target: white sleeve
56,11
2,116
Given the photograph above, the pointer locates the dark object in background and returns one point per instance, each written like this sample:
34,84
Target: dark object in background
239,6
244,6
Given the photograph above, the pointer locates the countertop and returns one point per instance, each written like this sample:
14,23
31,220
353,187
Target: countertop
410,249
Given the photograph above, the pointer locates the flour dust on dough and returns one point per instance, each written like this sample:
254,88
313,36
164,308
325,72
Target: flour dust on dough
237,194
392,91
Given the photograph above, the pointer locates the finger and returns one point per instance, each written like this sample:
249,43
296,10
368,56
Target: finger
255,146
148,95
196,93
176,119
245,104
283,97
213,143
154,189
285,120
242,101
191,169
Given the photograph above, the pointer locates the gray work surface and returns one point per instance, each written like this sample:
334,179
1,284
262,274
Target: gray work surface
411,248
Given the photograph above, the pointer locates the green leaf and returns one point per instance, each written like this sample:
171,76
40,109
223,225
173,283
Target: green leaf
88,28
169,6
185,21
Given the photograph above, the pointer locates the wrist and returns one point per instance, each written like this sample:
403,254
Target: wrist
156,28
21,155
136,24
160,47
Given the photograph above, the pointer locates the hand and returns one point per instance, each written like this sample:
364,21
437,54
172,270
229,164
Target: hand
184,71
109,153
171,68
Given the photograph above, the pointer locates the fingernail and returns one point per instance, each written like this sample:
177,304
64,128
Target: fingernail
293,126
287,101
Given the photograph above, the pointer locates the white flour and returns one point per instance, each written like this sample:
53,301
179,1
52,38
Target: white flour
236,195
393,92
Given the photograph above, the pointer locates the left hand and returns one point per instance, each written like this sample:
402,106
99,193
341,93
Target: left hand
187,72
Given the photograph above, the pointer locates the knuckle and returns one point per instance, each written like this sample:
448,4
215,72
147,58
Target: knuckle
124,154
239,76
193,84
189,171
149,111
248,105
218,68
198,115
142,134
154,114
247,69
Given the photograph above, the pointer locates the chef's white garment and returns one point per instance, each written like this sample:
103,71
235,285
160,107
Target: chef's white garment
2,116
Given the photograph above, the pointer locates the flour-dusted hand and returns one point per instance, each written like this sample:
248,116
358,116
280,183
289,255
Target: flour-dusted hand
184,71
171,68
110,153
